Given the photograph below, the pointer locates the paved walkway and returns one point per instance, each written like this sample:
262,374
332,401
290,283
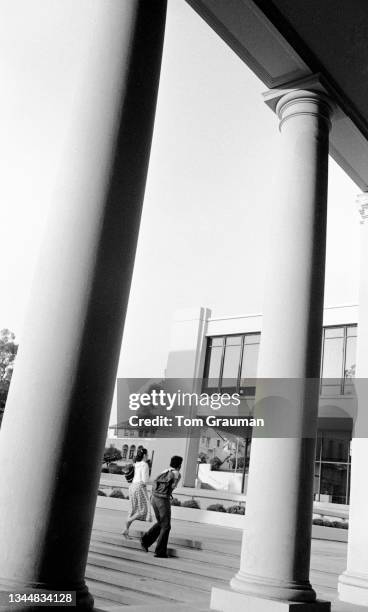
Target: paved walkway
122,576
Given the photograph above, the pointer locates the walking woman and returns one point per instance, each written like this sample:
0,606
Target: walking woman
140,509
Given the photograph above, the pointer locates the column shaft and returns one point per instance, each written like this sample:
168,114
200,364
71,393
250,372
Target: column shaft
353,583
276,543
55,423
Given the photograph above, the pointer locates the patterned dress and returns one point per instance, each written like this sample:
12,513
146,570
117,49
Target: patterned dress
140,507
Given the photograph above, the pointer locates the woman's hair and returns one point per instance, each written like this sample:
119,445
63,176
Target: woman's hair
141,452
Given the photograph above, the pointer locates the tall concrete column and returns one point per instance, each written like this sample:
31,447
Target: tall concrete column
274,567
56,418
353,583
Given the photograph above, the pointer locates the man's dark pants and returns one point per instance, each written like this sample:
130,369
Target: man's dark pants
160,530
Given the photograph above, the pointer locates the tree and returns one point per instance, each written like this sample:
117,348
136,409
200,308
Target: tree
8,351
111,454
202,457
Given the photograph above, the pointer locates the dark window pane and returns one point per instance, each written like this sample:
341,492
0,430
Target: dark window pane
334,483
317,474
318,448
335,449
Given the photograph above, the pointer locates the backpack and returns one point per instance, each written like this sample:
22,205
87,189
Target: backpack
128,472
163,485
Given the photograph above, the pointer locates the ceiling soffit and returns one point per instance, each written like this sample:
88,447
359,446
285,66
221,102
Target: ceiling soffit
259,33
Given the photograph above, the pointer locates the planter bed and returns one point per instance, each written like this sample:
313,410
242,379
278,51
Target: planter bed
184,514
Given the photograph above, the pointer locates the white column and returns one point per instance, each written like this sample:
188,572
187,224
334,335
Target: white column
274,568
55,423
353,583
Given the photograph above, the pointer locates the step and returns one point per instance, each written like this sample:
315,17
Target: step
148,586
212,544
149,608
158,572
226,559
116,595
174,540
191,566
102,604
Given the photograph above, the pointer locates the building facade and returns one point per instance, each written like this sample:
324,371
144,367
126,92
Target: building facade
225,351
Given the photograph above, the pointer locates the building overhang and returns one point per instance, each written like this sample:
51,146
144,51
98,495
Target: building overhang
286,42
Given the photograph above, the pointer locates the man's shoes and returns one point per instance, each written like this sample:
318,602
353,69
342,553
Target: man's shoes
161,556
145,548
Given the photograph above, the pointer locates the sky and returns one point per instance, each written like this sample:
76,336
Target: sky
210,186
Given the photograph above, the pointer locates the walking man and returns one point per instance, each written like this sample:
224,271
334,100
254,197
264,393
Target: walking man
162,489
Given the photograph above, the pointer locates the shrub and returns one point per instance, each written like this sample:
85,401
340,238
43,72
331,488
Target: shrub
202,457
111,454
339,524
240,463
336,524
215,464
216,508
191,503
117,493
105,470
101,493
236,510
175,501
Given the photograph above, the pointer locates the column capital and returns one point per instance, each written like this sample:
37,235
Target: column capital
313,92
362,201
304,102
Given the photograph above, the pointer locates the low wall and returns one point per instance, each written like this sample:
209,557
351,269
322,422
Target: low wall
208,517
205,497
221,480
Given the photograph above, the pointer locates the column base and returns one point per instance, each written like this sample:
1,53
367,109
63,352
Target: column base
225,600
353,588
271,588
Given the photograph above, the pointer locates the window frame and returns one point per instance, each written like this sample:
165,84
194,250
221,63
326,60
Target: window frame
243,391
343,384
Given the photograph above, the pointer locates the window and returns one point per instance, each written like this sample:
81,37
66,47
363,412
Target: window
231,363
338,360
332,467
124,452
229,459
132,451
